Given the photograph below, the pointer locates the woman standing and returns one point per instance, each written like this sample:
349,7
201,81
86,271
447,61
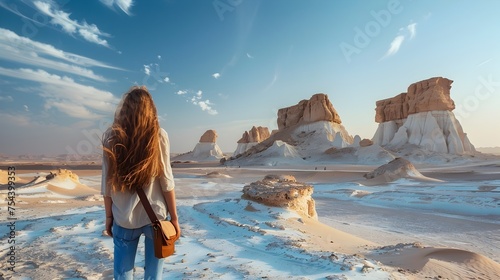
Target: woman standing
136,154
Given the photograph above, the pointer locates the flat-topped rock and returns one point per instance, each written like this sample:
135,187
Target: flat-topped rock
428,95
317,108
283,191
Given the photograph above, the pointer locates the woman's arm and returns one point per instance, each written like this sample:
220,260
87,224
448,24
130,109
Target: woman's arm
108,203
172,209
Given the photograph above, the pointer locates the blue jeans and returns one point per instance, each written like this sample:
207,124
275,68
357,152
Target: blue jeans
126,241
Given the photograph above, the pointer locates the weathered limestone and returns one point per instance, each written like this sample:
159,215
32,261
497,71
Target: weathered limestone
283,191
365,143
205,150
422,117
210,136
317,108
251,138
395,169
428,95
256,134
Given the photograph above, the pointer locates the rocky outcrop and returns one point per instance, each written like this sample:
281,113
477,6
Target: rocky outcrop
61,173
305,131
365,143
206,150
317,108
429,95
283,191
256,134
423,116
251,138
210,136
395,169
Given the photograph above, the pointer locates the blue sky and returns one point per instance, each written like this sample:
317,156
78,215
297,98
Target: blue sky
231,64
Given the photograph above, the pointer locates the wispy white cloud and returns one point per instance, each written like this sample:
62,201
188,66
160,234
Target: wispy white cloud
7,98
249,56
90,35
124,5
395,45
196,98
26,108
24,50
66,95
147,70
216,75
89,32
159,57
166,80
412,28
16,119
484,62
206,106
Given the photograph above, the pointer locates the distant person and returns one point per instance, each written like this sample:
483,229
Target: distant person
136,154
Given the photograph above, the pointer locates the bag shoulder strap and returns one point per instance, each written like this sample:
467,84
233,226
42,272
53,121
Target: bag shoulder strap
147,205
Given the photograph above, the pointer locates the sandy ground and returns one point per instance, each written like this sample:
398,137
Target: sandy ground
408,243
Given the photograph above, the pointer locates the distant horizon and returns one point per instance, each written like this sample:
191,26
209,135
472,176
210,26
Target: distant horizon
496,151
230,65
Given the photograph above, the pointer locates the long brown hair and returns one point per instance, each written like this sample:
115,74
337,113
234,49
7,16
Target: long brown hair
132,147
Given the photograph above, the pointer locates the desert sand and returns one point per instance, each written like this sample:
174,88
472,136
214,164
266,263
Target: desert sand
444,228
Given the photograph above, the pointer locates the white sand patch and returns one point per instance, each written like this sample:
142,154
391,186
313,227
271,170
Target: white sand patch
91,181
53,201
220,240
226,237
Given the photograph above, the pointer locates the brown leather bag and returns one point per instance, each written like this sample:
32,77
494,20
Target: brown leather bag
164,233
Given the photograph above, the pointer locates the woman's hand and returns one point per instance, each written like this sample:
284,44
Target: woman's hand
177,227
109,225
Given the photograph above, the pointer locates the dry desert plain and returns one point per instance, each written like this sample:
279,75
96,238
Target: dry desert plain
406,229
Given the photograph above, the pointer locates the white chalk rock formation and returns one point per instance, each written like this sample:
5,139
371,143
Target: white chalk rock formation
251,138
356,140
206,150
422,117
283,191
306,130
319,136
